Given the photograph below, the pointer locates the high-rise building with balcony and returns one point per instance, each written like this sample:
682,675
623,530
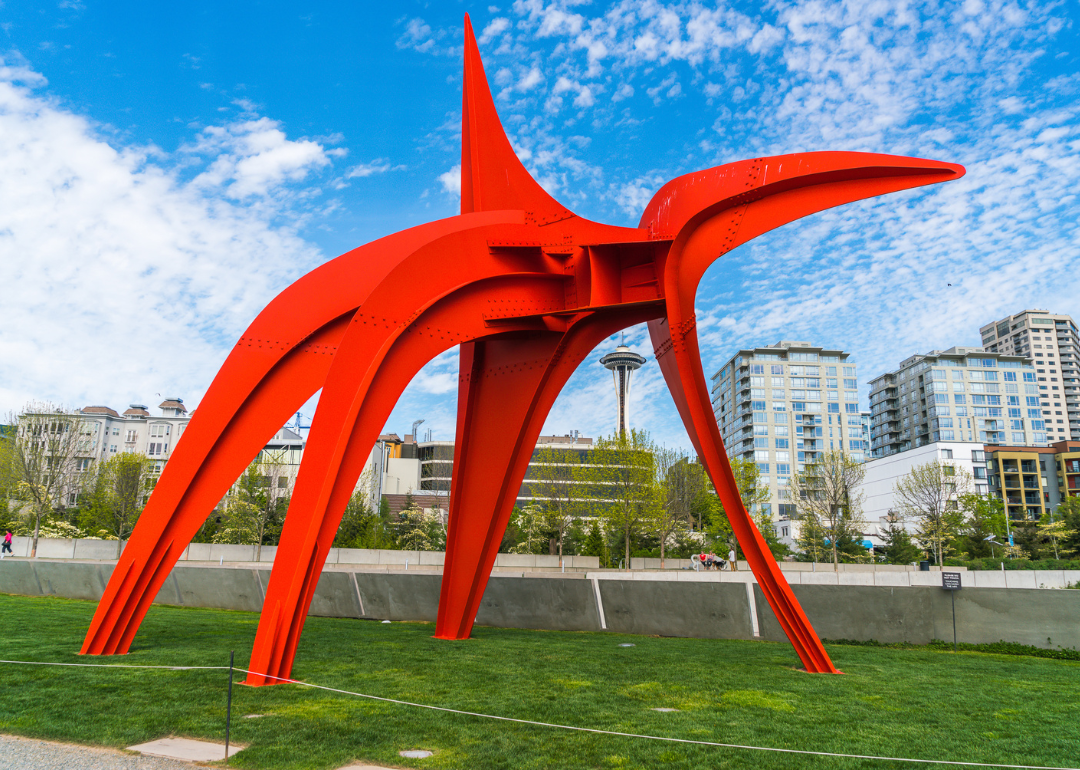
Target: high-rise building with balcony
961,394
781,405
1052,342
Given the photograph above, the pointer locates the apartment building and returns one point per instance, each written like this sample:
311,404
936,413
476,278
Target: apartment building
106,433
780,406
1032,481
881,506
1052,342
956,395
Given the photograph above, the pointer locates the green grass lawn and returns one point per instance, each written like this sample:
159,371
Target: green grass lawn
895,702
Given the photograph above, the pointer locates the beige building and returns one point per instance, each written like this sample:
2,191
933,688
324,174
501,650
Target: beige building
1032,481
1052,342
106,433
956,395
779,406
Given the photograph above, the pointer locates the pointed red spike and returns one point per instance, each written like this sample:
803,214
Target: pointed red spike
492,177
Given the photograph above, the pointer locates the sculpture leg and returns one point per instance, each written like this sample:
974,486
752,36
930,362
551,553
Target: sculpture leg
203,467
372,366
505,392
680,361
336,450
498,386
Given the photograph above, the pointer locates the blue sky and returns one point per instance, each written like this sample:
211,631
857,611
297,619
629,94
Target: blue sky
164,172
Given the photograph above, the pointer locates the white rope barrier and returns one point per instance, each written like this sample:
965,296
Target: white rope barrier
116,665
593,730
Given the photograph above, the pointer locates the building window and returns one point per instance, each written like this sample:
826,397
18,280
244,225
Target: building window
946,454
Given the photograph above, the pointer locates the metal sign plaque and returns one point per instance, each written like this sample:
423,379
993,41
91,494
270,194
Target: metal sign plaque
950,581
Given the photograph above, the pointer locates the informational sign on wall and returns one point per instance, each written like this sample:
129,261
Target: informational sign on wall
950,581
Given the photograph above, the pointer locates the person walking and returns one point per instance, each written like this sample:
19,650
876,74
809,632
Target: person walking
6,548
731,559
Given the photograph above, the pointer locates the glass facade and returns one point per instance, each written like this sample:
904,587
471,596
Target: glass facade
782,405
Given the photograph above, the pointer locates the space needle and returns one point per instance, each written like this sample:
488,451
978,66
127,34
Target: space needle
623,362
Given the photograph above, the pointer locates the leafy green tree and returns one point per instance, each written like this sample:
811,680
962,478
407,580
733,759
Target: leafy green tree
898,547
811,540
532,529
363,528
421,530
676,483
829,504
1069,512
1029,543
984,518
44,465
930,496
118,492
754,497
618,478
595,545
552,478
254,510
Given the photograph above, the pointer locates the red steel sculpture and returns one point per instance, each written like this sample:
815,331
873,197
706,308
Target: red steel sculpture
527,289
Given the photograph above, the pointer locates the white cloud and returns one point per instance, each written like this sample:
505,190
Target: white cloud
494,28
377,166
451,180
530,80
632,197
254,157
417,36
123,280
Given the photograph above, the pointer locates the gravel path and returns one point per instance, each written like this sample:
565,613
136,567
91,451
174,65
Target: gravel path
32,754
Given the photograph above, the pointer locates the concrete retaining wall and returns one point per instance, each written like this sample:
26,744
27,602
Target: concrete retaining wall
105,550
1048,619
677,604
671,608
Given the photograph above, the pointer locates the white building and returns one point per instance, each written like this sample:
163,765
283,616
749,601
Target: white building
882,474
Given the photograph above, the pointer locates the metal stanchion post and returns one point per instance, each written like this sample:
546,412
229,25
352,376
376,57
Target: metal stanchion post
953,595
228,707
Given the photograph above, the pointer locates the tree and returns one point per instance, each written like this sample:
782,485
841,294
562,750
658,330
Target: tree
120,488
595,545
552,478
618,479
363,528
828,501
930,495
46,458
676,482
1069,512
255,507
898,548
754,497
530,522
421,530
984,518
